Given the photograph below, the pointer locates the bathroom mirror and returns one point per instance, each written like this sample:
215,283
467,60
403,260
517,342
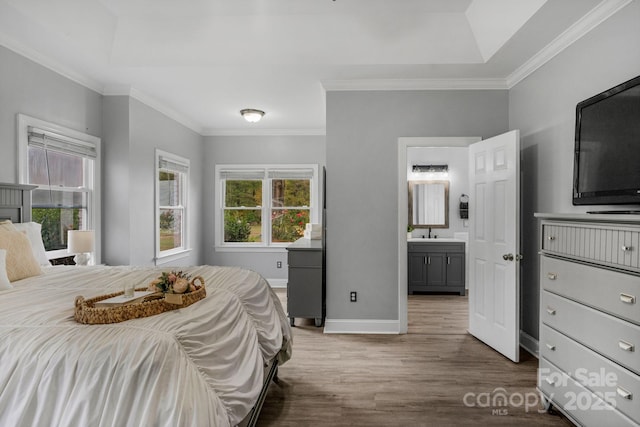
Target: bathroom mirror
429,204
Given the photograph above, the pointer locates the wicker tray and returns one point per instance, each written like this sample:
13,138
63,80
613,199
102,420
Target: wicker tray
86,312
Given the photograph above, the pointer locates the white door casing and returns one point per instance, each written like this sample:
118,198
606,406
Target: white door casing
494,242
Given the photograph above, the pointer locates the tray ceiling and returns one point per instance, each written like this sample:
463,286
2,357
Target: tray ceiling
201,61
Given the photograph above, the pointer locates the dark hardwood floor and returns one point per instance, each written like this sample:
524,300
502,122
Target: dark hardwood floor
436,375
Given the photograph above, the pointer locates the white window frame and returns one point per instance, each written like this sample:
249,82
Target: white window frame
166,256
92,174
266,245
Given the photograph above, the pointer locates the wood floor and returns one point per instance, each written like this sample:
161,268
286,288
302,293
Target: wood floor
436,375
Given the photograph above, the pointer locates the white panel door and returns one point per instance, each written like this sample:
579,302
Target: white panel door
494,242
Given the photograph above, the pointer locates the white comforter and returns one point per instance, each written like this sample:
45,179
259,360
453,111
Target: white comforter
197,366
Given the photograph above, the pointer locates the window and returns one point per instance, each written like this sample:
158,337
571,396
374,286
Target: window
64,164
172,179
265,206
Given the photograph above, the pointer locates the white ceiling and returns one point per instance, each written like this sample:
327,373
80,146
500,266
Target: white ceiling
202,61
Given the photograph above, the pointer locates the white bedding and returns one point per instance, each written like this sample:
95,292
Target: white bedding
197,366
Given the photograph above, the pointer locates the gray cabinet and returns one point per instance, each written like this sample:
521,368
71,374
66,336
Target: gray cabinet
589,317
436,267
306,285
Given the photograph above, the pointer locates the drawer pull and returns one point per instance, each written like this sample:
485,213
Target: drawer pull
626,248
551,311
550,381
552,276
626,346
551,347
628,299
551,238
624,393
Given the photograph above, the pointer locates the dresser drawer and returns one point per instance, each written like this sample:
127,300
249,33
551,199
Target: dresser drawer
617,247
576,401
615,339
618,385
304,258
610,291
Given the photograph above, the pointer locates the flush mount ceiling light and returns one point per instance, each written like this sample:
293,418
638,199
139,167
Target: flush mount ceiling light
252,115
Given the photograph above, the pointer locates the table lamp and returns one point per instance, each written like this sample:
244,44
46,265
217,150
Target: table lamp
80,242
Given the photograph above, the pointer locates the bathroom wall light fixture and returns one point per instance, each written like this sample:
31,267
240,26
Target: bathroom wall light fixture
251,115
431,168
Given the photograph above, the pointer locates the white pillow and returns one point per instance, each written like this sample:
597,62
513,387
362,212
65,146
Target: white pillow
4,280
34,233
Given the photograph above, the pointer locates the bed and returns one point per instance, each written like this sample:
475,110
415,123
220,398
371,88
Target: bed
203,365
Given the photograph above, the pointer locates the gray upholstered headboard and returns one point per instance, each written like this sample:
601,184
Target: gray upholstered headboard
15,202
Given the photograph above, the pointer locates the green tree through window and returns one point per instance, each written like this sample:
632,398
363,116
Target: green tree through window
266,206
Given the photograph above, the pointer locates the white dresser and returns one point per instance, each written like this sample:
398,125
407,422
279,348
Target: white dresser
590,317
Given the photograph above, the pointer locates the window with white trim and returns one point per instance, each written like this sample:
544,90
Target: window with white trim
172,186
65,165
264,205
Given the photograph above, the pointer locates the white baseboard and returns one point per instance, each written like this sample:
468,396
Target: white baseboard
277,283
529,343
360,326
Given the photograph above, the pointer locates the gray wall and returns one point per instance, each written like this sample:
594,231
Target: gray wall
543,107
151,129
135,130
253,150
130,132
31,89
359,150
116,167
362,183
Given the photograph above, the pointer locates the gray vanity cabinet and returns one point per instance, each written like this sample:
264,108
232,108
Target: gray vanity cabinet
306,284
455,271
436,267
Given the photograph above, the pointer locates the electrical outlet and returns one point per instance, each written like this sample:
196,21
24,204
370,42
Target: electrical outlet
353,296
279,264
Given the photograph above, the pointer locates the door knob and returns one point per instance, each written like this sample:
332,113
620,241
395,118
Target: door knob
507,257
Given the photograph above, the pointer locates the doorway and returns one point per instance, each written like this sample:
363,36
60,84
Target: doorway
403,146
493,240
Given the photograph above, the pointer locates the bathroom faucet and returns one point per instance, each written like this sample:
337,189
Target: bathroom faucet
429,232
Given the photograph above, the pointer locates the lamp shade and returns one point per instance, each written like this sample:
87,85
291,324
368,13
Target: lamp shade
80,241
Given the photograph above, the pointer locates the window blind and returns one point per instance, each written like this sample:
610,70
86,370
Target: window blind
239,174
291,174
61,143
172,165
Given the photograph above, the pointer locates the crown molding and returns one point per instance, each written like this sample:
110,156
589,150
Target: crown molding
169,112
117,90
93,85
50,64
124,90
265,132
415,84
588,22
603,11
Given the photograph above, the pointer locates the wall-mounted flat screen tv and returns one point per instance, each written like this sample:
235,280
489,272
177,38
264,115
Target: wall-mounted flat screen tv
607,147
